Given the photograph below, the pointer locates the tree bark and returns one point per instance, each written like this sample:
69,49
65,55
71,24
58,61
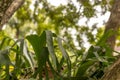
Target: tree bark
7,9
113,23
113,72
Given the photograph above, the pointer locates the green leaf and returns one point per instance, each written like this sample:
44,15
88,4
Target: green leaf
83,67
49,36
4,58
61,64
34,40
42,59
102,41
88,54
65,55
5,41
38,43
27,54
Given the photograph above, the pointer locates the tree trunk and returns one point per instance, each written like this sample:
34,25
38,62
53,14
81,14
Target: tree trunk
113,72
7,9
113,23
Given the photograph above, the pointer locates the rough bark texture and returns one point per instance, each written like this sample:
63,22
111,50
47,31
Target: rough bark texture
113,23
4,5
7,9
113,72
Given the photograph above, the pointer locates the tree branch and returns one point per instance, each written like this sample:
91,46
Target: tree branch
10,11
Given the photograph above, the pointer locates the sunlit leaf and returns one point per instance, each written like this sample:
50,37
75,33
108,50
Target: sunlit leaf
62,49
49,39
65,55
27,54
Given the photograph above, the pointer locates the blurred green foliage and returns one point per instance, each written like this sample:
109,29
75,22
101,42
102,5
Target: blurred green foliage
39,42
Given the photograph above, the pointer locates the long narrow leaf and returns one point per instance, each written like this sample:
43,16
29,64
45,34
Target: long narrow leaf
27,55
5,41
65,55
49,36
